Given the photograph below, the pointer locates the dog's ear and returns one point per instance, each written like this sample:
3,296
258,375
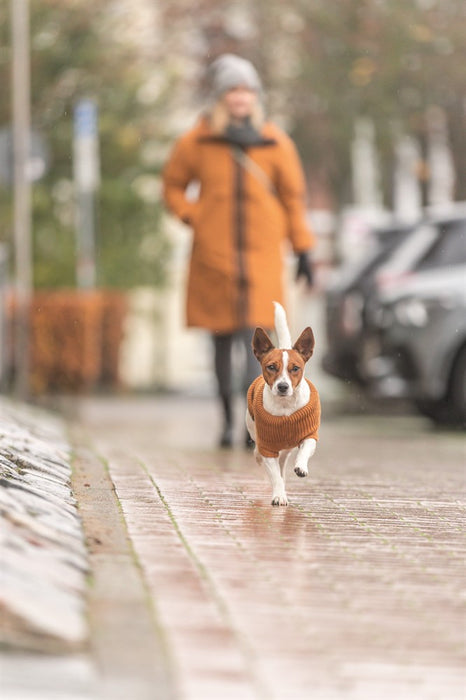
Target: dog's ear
261,343
305,344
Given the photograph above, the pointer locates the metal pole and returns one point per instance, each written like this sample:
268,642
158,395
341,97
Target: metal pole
22,189
85,268
86,177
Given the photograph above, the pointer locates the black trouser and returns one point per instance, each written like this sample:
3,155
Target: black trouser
223,345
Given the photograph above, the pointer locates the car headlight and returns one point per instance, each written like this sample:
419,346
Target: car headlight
411,312
417,312
353,305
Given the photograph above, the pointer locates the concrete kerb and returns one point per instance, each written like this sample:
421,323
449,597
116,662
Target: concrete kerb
72,594
127,645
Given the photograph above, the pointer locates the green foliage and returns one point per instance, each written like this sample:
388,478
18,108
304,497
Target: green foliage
131,248
74,53
53,242
323,64
391,61
326,64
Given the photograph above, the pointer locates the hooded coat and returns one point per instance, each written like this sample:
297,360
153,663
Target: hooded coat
241,222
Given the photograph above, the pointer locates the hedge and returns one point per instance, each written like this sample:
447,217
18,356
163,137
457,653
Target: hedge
75,339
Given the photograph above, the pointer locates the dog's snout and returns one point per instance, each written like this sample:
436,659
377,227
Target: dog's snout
283,387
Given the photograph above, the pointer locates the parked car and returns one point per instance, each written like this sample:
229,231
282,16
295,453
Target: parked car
397,251
415,341
346,299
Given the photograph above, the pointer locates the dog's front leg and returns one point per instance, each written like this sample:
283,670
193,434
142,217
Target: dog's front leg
278,485
283,461
305,452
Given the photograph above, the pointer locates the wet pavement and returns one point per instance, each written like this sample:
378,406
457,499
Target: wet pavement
354,591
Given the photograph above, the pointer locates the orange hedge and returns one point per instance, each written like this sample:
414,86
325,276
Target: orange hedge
114,307
75,338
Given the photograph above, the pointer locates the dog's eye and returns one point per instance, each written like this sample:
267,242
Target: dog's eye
271,368
295,369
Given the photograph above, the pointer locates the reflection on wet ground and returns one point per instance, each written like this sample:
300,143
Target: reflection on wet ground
352,591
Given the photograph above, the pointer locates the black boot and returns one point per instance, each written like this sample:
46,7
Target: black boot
226,438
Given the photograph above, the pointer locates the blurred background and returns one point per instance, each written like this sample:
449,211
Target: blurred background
374,95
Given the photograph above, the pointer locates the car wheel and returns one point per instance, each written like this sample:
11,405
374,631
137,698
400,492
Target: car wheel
438,411
457,388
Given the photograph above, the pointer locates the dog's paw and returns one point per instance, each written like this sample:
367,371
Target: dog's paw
280,501
300,472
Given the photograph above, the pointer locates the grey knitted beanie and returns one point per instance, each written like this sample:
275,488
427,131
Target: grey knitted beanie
229,71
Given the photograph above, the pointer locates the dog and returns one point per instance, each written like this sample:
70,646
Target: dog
283,414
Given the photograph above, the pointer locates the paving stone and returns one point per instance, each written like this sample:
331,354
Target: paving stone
355,591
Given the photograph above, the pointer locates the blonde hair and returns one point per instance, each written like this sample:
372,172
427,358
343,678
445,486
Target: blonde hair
219,117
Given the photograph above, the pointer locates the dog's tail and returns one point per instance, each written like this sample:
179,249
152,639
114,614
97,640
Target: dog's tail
281,327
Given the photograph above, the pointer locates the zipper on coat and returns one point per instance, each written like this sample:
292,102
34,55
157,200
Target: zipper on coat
239,225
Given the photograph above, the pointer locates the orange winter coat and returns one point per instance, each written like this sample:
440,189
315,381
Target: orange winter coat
239,224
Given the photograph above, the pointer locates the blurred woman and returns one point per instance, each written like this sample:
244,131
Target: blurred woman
251,202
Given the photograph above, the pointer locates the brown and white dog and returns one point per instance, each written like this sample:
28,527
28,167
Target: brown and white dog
283,414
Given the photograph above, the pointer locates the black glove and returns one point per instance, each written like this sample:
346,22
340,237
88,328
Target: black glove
305,269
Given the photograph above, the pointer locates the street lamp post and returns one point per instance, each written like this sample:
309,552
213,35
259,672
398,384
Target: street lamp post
22,189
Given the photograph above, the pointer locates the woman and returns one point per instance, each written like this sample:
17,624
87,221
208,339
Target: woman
252,200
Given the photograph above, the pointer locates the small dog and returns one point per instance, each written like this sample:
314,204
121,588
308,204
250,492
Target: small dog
283,414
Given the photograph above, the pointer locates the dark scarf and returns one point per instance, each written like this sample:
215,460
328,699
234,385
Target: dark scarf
243,135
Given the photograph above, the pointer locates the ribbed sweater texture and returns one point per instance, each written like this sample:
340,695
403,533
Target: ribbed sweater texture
275,433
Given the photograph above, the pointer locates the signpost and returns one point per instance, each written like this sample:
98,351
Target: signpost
38,161
86,178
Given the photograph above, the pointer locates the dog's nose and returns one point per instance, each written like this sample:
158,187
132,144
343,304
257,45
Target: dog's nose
282,388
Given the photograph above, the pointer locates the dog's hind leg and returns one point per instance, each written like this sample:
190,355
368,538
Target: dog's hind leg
278,485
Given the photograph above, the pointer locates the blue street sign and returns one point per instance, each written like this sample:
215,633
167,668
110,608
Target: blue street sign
85,119
85,146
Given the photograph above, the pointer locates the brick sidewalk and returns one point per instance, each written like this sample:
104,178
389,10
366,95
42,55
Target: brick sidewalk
352,592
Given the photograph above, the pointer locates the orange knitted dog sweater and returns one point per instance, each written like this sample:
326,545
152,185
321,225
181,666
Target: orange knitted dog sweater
275,433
